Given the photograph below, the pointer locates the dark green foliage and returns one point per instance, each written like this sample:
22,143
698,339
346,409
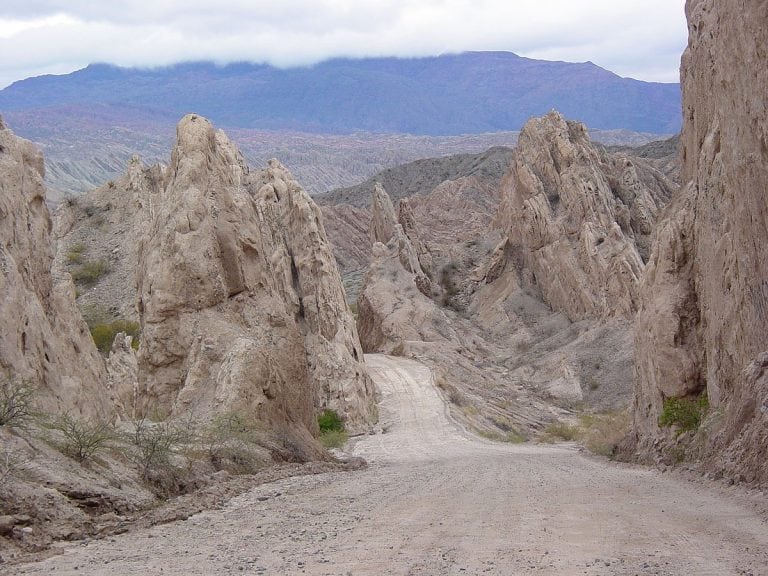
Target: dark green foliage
330,421
684,413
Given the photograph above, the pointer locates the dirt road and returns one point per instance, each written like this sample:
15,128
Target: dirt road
437,501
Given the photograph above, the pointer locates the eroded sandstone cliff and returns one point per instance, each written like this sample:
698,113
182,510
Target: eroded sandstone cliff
239,296
704,301
44,342
580,219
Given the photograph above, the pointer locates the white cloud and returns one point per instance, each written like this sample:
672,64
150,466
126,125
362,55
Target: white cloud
642,39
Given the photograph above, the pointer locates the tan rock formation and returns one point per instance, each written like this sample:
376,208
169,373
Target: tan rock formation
389,311
704,312
407,221
240,297
347,228
579,218
44,341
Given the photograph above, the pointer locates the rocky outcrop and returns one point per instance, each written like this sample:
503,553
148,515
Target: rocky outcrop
580,219
240,298
347,228
44,341
389,311
704,309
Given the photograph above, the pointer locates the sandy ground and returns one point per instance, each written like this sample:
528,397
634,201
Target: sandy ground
437,501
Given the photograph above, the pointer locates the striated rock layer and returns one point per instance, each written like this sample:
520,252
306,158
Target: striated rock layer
240,299
394,303
703,323
579,219
44,341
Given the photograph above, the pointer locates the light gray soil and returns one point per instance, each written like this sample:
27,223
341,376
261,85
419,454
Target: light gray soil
438,501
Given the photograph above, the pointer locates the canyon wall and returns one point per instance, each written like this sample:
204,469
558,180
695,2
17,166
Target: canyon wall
44,343
240,299
704,301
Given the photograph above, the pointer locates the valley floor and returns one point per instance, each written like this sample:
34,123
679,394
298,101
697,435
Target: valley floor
435,500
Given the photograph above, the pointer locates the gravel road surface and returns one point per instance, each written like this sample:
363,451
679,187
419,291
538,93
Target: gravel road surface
437,501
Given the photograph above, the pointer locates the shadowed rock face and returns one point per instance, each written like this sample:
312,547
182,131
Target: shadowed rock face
580,219
44,341
240,300
394,303
704,309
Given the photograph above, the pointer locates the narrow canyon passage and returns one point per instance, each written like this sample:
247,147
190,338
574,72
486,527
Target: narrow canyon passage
436,500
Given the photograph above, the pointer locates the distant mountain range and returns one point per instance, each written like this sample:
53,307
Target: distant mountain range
470,93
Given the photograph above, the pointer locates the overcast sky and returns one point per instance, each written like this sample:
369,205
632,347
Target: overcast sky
638,38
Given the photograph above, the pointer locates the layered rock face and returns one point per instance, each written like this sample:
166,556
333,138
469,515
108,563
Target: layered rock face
579,220
704,309
240,298
394,304
44,341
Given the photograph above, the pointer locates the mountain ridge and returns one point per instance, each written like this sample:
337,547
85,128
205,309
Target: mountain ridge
471,92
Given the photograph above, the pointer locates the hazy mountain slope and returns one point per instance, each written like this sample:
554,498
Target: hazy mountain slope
423,176
452,94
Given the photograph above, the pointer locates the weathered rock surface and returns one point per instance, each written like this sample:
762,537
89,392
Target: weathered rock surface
104,226
44,341
580,219
527,324
389,311
704,309
239,295
347,228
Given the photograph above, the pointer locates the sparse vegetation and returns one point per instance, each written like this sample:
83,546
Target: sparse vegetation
104,334
75,253
560,431
330,421
89,272
333,438
599,433
685,414
448,283
11,464
15,403
153,444
455,396
332,433
82,439
230,440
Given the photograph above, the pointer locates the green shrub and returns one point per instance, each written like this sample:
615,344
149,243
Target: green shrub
15,403
104,334
333,438
89,272
330,421
684,413
82,438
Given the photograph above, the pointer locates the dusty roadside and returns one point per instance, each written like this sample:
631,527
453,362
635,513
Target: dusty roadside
436,501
